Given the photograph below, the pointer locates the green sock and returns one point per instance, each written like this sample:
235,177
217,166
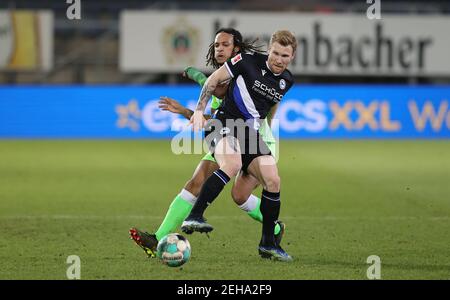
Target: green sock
179,209
257,215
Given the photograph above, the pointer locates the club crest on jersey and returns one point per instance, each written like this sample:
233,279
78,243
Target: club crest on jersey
282,84
236,59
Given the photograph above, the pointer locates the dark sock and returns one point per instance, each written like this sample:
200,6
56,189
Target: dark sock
210,190
270,209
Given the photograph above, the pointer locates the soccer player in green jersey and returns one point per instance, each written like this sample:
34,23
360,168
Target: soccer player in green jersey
228,42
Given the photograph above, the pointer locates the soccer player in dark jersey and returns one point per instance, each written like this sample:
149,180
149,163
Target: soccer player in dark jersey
258,82
227,43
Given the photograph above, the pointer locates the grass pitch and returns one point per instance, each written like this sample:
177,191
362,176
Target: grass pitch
342,201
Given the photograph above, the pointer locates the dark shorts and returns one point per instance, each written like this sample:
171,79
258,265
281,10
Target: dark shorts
251,144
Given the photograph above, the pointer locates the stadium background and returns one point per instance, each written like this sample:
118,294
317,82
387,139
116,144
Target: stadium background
85,153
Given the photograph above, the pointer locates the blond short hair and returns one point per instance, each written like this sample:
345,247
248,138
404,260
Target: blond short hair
284,38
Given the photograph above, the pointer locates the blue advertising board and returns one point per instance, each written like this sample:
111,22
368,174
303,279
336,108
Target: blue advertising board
307,111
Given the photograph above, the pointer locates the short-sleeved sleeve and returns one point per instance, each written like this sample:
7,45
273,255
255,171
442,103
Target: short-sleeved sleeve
235,65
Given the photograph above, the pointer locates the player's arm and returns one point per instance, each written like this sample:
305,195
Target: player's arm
218,78
195,75
172,105
199,77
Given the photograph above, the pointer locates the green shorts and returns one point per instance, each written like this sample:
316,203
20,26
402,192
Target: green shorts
209,157
272,147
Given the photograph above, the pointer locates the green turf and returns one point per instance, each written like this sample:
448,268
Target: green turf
341,200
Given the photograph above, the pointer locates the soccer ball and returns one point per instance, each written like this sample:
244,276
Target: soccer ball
174,250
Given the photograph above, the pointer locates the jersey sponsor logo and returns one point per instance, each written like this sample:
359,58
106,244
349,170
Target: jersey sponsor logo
266,91
282,84
263,72
236,59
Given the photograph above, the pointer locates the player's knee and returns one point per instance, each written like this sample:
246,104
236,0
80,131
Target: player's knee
194,185
272,183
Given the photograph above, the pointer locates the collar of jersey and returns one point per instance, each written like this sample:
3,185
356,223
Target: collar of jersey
267,65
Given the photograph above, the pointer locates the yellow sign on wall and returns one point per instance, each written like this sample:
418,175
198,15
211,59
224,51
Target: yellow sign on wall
26,40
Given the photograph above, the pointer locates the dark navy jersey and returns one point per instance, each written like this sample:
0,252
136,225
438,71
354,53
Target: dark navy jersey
254,89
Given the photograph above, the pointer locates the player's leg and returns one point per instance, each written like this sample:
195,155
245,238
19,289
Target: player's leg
228,157
179,208
242,195
182,204
265,169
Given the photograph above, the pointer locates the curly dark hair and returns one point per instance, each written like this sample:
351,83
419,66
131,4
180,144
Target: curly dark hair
238,42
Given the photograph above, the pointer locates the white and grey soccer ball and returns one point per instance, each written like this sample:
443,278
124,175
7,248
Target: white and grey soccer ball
174,250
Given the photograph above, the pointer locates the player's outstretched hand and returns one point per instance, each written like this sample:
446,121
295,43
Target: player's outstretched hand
198,121
172,105
186,72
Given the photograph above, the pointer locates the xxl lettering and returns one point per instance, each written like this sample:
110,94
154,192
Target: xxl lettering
374,115
385,118
366,115
341,115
